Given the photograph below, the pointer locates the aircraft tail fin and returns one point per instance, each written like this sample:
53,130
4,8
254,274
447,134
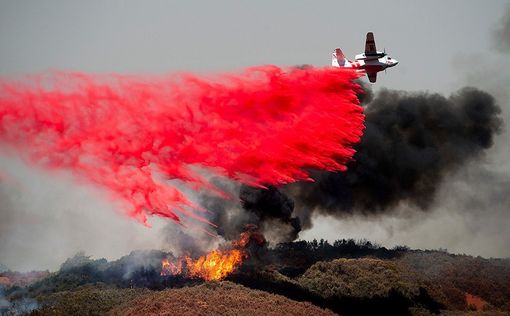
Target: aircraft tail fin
338,59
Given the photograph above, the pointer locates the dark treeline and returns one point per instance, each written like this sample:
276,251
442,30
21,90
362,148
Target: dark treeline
293,258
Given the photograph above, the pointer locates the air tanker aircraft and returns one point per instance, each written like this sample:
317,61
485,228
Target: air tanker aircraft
370,62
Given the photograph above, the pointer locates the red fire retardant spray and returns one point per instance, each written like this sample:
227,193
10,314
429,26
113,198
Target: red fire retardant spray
131,134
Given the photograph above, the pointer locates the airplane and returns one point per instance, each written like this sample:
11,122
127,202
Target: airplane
370,62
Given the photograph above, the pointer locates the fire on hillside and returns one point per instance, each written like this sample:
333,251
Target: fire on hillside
218,263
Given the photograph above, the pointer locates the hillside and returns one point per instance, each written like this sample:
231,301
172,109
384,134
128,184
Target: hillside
347,278
218,298
86,300
454,279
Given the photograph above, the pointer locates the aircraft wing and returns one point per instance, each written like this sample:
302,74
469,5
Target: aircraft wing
372,76
370,44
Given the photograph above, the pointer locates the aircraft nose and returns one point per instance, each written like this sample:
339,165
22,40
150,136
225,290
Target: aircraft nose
395,62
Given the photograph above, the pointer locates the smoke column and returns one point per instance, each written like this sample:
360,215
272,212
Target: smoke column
130,135
413,141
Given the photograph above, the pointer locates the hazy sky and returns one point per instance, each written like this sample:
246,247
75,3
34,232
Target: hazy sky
441,45
162,36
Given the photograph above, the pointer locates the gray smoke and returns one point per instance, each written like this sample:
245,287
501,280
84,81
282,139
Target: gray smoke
268,208
17,305
46,218
501,34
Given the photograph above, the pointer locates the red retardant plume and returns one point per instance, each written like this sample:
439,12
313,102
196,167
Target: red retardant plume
130,135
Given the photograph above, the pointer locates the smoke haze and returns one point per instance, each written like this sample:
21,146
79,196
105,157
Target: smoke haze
502,33
47,218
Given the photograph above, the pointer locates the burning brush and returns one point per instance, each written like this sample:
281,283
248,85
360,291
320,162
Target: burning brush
219,263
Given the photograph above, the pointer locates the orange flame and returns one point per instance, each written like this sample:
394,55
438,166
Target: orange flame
171,268
215,265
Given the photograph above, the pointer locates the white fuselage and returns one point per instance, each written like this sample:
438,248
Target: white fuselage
373,63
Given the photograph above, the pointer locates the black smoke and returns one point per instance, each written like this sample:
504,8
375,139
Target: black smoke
412,142
270,209
271,204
